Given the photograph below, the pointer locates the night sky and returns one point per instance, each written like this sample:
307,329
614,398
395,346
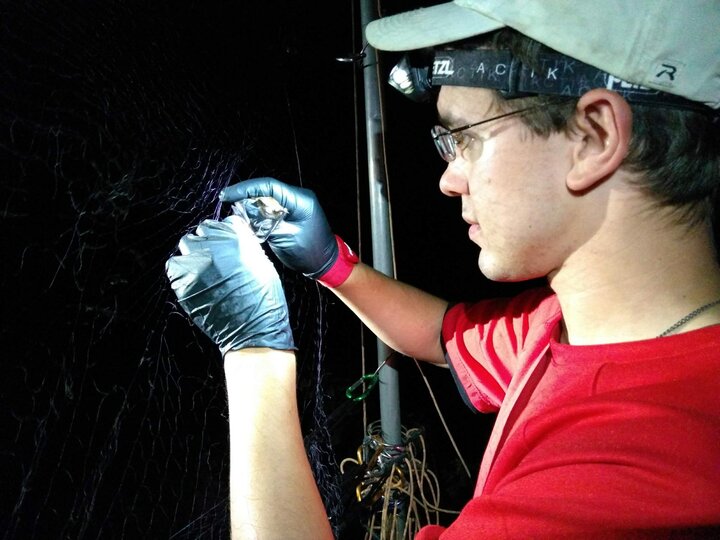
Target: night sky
121,121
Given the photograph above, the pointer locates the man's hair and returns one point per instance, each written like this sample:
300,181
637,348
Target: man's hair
675,152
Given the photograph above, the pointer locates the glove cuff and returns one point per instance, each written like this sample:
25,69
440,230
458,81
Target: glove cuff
341,268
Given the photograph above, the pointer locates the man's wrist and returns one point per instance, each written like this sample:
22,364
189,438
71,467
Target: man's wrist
342,267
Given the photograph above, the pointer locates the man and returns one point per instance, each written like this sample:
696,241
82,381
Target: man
598,171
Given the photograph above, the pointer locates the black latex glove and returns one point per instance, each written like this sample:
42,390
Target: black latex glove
303,241
225,282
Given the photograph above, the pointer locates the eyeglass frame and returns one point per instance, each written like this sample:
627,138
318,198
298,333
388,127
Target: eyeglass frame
452,152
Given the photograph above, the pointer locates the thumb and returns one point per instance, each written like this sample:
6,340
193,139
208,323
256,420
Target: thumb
183,270
241,227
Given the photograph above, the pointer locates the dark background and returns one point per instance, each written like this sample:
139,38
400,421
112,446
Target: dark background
121,121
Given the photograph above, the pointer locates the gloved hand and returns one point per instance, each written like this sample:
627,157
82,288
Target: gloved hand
303,241
225,282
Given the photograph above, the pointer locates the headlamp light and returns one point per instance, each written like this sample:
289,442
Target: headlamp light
414,82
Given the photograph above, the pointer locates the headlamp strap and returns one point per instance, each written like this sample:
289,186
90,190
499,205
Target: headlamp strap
556,74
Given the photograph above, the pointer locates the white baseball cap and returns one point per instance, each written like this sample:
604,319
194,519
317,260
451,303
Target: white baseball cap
668,45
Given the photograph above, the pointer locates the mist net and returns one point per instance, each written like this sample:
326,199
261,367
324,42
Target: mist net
120,122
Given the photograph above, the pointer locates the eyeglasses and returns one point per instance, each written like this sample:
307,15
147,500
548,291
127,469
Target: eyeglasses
448,141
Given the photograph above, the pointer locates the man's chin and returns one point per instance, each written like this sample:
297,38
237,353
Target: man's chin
491,270
495,270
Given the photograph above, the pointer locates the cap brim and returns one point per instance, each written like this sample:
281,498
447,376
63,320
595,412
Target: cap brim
427,27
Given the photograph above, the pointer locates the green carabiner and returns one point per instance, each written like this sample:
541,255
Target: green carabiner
369,379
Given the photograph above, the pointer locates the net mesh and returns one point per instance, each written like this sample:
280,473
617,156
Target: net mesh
118,126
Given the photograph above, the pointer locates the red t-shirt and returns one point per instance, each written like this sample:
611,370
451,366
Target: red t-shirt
607,441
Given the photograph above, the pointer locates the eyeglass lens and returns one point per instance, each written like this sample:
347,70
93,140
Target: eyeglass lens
444,142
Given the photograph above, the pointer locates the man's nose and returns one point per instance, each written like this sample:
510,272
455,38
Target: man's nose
453,181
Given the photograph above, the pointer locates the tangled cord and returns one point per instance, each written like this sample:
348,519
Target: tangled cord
402,494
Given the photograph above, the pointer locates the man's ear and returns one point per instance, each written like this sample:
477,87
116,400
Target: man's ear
602,126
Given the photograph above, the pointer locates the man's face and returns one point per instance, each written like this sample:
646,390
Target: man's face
513,191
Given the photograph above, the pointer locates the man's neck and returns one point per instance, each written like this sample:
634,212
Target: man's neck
617,291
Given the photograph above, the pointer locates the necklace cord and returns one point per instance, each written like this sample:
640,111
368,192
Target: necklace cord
690,316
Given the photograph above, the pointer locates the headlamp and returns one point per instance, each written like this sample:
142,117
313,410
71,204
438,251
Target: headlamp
419,76
411,79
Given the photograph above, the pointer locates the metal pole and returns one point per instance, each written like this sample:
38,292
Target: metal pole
380,225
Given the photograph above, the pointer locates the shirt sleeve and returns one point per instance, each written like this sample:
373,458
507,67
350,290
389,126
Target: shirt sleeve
487,342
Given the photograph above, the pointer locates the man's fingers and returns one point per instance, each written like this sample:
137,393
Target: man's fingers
257,187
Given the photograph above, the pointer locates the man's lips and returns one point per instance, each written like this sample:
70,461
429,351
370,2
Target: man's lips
474,226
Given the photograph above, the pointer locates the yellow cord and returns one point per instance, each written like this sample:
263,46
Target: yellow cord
409,476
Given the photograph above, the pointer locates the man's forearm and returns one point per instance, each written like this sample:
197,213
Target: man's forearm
405,318
273,494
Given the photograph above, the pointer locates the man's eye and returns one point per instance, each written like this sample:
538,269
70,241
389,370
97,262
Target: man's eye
461,139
